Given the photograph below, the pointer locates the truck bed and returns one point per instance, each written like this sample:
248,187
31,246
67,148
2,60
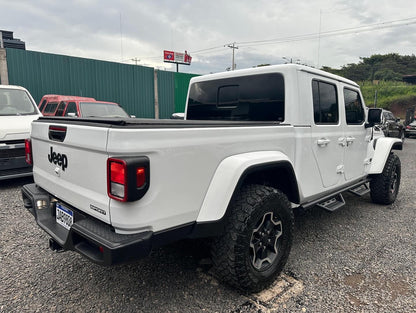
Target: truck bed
184,156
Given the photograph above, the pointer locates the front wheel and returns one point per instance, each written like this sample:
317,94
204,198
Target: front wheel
257,241
385,186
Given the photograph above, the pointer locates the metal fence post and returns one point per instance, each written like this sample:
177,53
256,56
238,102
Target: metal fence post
156,95
4,75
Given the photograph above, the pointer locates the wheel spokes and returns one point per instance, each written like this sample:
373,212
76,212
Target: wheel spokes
393,184
264,241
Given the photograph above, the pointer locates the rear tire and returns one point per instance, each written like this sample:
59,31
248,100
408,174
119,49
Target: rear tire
385,186
257,241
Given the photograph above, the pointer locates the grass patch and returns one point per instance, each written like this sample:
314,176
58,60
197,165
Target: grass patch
388,92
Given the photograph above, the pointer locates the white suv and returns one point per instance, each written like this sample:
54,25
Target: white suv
17,111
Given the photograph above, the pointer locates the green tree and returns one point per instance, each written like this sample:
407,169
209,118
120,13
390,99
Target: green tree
389,67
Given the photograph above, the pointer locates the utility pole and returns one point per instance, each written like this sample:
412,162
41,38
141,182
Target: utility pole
136,60
232,46
319,35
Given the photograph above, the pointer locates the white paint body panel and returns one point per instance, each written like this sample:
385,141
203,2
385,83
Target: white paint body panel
194,171
226,178
183,164
380,156
17,127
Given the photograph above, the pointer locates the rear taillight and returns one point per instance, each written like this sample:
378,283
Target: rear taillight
117,180
28,152
128,178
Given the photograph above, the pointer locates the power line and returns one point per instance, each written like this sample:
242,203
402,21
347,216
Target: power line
344,31
310,36
303,37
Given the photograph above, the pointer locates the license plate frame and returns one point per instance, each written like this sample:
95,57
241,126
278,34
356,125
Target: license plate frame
64,216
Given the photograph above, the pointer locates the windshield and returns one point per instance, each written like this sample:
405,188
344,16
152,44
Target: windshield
15,102
101,109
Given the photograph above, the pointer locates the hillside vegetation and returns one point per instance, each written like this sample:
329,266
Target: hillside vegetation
383,74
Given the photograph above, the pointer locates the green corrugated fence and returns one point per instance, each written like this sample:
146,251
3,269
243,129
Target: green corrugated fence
131,86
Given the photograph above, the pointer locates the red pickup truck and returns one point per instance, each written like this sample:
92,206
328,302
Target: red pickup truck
58,105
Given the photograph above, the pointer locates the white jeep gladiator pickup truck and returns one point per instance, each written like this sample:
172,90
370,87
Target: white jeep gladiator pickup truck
254,144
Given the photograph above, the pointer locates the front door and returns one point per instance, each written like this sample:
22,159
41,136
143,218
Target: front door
356,135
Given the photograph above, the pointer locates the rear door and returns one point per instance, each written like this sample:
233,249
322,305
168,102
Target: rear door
327,132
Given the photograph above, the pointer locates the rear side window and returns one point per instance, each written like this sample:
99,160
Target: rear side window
51,107
354,110
61,109
247,98
42,105
325,103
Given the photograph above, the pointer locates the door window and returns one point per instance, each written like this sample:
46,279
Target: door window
325,103
71,108
354,110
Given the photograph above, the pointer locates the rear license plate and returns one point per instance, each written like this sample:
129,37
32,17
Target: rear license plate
64,216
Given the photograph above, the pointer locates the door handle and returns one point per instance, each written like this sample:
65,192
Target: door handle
342,141
350,140
323,142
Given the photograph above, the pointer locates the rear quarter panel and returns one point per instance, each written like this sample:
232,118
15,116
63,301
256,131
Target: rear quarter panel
182,164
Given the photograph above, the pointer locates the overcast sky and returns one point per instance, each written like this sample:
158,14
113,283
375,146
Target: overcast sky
316,33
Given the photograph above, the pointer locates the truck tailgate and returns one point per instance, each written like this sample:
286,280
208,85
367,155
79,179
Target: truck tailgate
70,163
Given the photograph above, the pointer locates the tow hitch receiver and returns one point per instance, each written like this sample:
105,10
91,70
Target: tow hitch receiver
54,246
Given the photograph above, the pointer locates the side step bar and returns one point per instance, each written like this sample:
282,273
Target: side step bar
333,203
360,190
335,200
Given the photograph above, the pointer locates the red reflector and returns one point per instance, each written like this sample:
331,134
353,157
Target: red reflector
117,172
57,128
28,151
140,177
101,249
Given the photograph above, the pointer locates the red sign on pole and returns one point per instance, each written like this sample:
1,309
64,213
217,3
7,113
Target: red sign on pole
177,57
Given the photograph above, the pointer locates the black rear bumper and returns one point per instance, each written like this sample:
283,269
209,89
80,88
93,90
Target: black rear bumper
88,236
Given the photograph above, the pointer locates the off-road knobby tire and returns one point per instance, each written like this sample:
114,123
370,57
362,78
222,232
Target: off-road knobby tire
231,253
385,186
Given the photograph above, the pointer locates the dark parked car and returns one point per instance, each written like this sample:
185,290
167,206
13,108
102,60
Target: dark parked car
391,126
410,129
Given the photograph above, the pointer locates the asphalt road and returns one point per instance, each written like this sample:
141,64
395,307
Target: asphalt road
360,258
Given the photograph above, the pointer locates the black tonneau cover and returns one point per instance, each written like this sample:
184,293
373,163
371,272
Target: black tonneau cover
150,123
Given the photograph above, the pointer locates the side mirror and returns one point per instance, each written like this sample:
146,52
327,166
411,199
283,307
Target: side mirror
374,117
178,116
